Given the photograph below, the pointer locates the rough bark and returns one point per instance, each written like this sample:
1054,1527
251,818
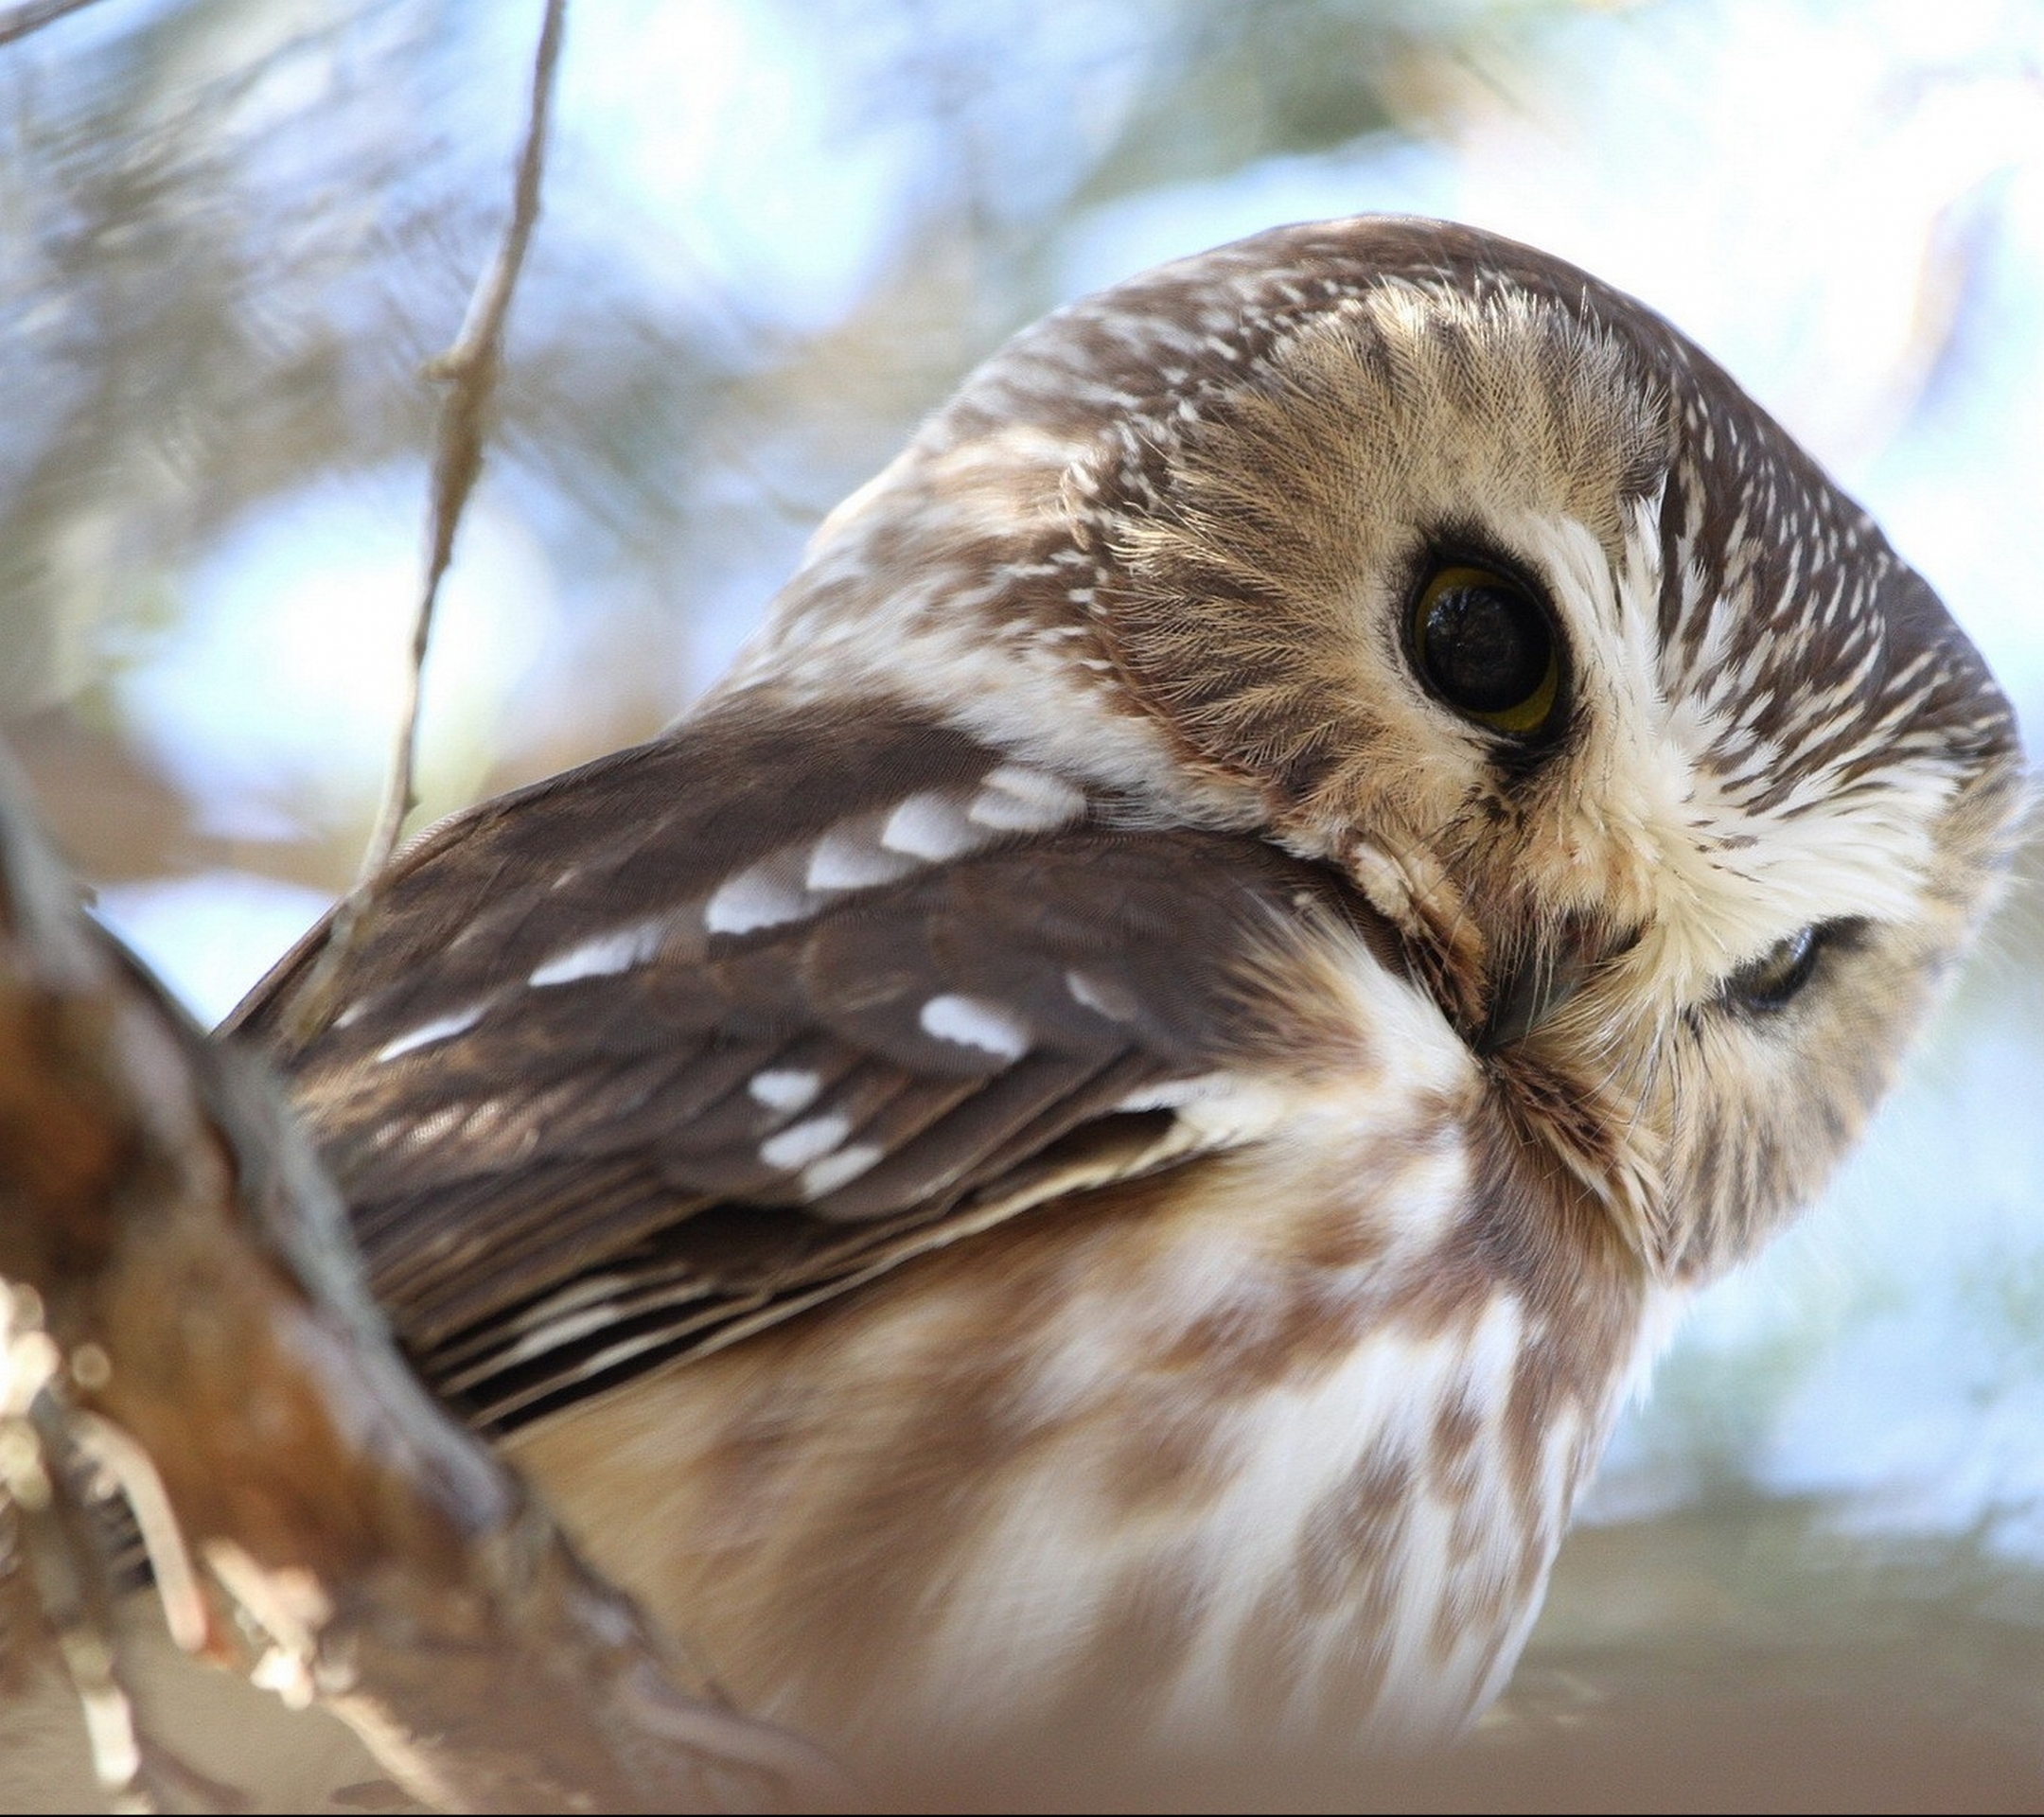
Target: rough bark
194,1322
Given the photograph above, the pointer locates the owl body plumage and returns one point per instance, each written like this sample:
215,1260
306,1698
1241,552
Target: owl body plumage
1089,1148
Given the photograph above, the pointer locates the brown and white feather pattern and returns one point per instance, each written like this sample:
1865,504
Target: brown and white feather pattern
1002,1171
939,982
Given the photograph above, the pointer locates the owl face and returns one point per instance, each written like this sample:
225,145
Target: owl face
1438,562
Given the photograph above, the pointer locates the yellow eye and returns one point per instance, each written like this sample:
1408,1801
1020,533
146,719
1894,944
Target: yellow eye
1485,647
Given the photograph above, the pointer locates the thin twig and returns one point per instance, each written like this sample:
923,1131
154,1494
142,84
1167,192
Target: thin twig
60,1546
470,369
134,1472
32,15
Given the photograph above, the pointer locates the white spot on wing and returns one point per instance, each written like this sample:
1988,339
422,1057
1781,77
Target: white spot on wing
833,1171
800,1143
1215,1110
439,1029
784,1088
1016,800
566,1330
754,899
427,1130
1102,995
607,953
933,827
975,1022
848,860
1172,1094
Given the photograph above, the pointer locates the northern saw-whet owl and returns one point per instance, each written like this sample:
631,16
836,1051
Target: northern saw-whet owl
1089,1148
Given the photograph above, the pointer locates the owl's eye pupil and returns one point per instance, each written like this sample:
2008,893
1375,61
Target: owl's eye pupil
1486,647
1768,981
1480,650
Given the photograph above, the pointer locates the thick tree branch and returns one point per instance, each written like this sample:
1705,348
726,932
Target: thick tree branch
199,1307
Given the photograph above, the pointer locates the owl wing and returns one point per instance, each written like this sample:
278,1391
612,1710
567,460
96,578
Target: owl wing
674,1044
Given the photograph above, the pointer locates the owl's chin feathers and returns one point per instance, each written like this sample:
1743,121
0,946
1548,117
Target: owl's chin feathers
1600,1128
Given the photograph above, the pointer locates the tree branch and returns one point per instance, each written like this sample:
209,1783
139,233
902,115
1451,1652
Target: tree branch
470,369
32,15
192,1293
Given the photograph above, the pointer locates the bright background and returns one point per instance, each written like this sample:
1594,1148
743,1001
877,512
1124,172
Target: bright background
776,233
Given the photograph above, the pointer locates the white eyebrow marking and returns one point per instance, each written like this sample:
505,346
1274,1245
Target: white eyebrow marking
800,1143
847,860
974,1022
439,1029
931,827
752,899
1017,799
785,1087
613,952
833,1171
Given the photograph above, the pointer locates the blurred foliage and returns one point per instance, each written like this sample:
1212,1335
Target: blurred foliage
231,230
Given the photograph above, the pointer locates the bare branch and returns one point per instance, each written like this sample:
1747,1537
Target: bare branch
193,1293
32,15
470,369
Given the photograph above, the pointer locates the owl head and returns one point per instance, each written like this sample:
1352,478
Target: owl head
1436,561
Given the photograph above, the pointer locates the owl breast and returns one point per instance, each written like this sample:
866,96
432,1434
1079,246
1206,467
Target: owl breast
1276,1446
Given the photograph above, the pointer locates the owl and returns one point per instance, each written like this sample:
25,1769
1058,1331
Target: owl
1083,1153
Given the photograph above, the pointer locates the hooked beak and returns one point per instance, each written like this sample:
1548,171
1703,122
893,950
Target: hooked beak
1550,974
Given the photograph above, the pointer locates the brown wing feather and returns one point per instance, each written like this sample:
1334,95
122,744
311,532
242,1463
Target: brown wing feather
592,1108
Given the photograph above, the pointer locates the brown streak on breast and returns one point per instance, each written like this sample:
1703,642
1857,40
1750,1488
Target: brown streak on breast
1357,1521
1127,1663
854,1468
1178,1464
1455,1429
1268,1334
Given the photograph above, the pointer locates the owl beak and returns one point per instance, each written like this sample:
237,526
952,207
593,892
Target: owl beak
1548,977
